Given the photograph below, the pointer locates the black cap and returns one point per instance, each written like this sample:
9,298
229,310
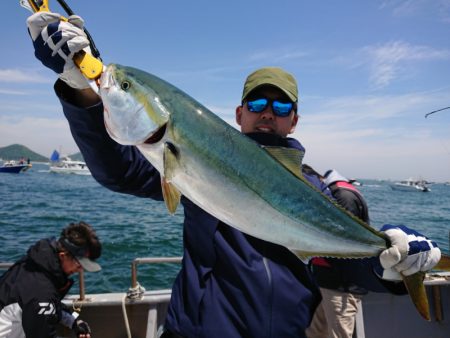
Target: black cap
82,254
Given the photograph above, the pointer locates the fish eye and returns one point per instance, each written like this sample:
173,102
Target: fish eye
125,85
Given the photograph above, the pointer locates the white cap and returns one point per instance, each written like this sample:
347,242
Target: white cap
332,176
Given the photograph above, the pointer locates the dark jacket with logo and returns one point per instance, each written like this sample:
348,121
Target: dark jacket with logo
31,292
230,284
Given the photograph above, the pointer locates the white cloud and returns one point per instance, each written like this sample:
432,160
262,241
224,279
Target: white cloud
403,7
413,154
41,135
278,56
413,8
359,111
12,92
22,76
391,60
378,136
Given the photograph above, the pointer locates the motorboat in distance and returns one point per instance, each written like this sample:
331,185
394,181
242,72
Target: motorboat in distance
411,185
14,167
65,165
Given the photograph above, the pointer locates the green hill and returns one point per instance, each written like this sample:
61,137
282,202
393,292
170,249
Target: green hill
17,151
77,157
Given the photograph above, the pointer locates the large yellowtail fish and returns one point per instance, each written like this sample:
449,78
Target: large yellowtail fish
258,190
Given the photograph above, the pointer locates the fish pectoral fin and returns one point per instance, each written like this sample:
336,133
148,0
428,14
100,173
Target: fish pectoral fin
443,264
290,158
170,160
417,292
171,195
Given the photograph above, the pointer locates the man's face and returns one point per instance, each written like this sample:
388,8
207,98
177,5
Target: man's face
266,121
69,264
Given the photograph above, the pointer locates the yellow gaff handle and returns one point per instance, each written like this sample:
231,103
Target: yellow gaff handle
89,66
39,6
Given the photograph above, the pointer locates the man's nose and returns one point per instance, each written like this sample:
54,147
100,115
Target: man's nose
268,113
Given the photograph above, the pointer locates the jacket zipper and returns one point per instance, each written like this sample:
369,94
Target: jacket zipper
269,278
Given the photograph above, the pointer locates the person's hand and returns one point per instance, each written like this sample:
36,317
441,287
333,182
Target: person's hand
55,43
81,329
410,252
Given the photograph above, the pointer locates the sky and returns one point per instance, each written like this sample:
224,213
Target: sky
368,72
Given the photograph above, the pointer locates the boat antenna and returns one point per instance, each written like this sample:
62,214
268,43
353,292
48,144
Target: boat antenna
435,111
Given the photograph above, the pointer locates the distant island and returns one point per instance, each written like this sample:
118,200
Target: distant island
18,151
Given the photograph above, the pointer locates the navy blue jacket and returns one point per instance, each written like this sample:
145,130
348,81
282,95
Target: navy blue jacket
230,284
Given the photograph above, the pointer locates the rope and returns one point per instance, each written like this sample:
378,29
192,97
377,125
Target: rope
136,293
133,294
125,317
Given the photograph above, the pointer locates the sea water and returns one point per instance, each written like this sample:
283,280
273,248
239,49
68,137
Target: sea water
38,204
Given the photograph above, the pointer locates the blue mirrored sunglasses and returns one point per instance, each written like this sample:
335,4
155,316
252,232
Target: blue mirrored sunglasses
281,109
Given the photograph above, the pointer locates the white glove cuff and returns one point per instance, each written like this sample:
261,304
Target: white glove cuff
67,319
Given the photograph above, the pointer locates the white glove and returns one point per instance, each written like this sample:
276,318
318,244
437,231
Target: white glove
410,252
55,43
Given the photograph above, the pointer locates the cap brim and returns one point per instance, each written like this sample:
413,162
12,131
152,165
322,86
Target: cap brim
89,265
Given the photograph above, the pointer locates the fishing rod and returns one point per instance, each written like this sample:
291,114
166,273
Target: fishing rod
435,111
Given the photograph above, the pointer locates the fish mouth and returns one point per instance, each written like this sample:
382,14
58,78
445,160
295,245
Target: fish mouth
107,78
157,135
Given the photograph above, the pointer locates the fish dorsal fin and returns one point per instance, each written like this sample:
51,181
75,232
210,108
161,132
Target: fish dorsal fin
290,158
171,194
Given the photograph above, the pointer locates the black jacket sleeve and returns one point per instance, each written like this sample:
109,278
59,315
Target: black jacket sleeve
39,317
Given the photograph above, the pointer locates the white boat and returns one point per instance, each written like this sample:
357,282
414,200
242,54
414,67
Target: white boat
66,165
411,185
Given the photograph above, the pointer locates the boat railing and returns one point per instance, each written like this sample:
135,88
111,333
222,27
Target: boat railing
5,265
135,291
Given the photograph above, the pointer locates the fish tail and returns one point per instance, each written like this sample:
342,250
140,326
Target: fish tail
416,289
443,264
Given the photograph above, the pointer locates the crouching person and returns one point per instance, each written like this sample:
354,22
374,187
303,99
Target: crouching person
32,289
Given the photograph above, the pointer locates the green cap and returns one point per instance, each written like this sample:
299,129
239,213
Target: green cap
272,76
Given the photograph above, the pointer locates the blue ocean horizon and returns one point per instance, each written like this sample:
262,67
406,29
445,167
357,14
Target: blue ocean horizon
38,204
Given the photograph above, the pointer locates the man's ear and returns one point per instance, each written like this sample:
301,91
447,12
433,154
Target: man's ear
238,114
293,123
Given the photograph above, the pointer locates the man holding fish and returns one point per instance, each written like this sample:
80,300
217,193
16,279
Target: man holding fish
250,213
